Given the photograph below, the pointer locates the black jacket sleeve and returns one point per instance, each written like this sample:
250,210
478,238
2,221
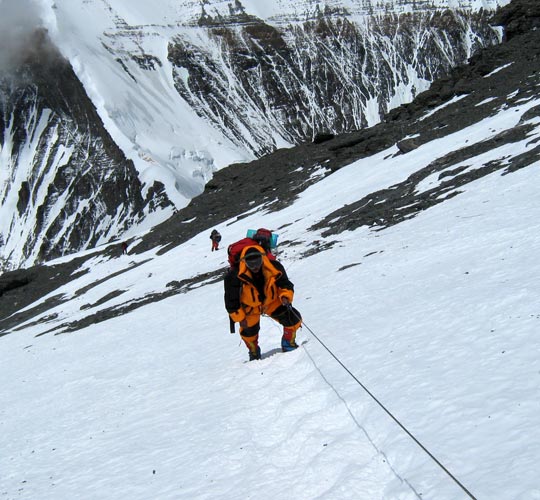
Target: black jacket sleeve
233,288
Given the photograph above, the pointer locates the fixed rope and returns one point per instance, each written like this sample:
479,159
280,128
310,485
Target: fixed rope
467,492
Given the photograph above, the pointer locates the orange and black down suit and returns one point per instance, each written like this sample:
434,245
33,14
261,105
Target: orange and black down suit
248,295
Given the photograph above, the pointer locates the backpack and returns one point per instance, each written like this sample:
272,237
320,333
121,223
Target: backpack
264,237
235,249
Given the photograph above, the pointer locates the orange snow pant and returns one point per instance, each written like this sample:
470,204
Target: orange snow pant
289,318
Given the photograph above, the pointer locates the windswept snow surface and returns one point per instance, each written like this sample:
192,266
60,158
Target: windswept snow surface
437,317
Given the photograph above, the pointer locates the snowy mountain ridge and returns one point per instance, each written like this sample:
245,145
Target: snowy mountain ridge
280,11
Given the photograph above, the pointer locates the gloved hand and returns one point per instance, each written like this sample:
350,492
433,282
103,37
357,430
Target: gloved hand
243,323
285,301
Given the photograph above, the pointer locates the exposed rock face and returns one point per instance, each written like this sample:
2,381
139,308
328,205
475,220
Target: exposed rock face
65,185
519,18
264,86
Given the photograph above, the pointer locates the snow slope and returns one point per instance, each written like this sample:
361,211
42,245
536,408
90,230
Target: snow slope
437,317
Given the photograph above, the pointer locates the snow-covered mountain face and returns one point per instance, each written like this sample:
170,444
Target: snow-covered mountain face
64,184
333,73
413,246
250,78
183,89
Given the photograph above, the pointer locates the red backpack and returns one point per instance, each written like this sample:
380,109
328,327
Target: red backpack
235,249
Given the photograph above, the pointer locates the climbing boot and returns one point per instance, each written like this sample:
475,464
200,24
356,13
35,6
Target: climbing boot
252,343
288,341
253,355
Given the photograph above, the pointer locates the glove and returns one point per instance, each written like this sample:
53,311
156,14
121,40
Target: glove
285,301
243,323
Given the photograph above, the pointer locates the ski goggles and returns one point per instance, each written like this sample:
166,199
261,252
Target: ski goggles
253,261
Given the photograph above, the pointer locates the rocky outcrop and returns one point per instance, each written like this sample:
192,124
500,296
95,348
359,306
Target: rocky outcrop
518,18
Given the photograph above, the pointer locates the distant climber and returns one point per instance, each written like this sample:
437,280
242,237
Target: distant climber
216,238
124,248
261,286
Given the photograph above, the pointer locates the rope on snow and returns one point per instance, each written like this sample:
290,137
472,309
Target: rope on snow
469,494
